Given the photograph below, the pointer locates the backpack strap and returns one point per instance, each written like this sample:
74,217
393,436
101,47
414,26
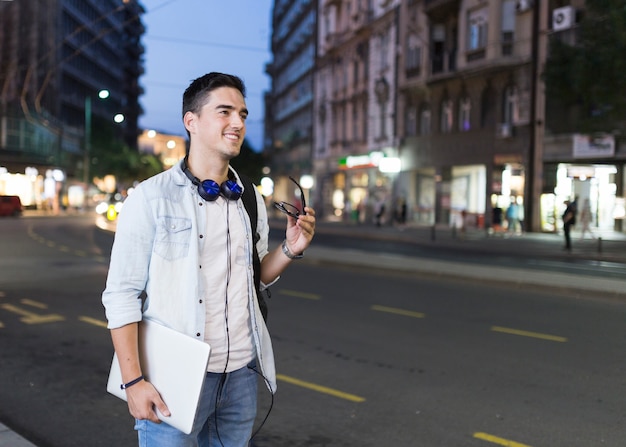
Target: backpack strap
250,204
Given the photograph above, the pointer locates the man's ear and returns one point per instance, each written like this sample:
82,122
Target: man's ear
189,120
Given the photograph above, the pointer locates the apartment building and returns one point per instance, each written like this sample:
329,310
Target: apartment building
355,102
289,104
464,107
67,67
576,162
439,108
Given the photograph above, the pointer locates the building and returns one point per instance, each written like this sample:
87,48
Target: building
170,149
355,101
464,108
574,160
440,108
67,68
289,104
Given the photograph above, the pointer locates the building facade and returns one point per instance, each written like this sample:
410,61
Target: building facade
355,102
464,109
437,112
289,104
67,68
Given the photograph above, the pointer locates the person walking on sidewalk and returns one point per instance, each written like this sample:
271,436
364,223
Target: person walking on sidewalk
585,220
569,220
188,245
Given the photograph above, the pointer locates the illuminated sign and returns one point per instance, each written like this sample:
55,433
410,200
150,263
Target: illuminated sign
371,160
587,146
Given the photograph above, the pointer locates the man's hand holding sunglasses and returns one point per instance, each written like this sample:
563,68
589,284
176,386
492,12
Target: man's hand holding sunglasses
300,225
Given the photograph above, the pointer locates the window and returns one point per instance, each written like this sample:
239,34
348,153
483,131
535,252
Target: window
465,106
477,28
410,120
384,51
510,109
413,60
508,27
425,120
355,121
445,124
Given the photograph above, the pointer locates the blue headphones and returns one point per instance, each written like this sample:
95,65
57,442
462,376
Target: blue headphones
210,190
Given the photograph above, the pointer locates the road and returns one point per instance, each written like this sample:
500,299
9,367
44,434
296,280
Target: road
366,356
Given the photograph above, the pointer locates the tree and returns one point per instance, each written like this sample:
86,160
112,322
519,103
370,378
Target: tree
592,73
111,156
249,162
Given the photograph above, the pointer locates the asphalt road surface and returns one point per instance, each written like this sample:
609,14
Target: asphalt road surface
366,357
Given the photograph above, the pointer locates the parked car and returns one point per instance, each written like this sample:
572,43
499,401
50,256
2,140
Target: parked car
10,206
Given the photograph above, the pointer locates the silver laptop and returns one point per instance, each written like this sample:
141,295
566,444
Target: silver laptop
175,364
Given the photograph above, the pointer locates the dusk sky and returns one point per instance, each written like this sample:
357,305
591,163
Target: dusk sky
185,39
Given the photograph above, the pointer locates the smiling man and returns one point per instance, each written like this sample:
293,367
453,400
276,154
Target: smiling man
189,245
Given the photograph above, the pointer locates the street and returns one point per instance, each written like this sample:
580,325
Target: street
365,356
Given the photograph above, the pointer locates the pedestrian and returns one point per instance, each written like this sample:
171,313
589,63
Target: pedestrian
569,220
187,248
379,212
585,220
512,217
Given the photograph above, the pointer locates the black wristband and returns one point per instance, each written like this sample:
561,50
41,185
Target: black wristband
131,383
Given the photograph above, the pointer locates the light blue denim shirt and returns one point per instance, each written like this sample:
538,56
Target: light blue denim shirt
157,244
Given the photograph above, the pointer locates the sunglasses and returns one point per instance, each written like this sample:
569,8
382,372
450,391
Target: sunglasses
288,208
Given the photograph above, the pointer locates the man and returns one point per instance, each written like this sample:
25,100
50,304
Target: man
569,220
188,244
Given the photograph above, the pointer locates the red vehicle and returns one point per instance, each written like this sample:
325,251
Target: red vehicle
10,206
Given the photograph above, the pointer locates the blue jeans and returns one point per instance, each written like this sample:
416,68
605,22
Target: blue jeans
225,415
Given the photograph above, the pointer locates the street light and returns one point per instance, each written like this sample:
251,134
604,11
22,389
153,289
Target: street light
102,94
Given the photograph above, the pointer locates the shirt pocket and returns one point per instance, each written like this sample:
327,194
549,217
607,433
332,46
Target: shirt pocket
172,237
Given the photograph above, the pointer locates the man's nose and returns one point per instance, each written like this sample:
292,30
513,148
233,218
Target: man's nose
237,121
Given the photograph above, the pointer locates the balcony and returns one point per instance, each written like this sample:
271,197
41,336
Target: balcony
440,9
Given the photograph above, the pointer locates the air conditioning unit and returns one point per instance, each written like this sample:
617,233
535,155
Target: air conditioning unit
523,5
563,18
504,130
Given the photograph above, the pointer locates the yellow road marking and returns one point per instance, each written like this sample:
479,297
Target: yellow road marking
320,389
529,334
500,441
1,324
30,317
64,249
394,310
80,253
94,321
308,296
33,303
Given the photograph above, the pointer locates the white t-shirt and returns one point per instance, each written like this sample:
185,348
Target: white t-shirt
225,289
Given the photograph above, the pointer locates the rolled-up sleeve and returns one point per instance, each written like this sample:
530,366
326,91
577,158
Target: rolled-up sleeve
130,261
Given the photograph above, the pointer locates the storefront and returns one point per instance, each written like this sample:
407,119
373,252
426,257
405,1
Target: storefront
593,186
360,186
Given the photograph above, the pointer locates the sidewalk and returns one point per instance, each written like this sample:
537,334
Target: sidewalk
9,438
533,247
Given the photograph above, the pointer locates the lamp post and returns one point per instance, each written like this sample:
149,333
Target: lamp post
102,94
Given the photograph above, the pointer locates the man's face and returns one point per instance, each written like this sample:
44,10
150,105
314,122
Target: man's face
221,124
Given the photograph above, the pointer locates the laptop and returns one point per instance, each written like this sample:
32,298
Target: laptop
175,364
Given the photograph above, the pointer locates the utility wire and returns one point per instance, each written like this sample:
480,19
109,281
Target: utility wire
206,44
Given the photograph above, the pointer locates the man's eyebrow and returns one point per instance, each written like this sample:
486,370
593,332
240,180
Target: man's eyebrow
230,107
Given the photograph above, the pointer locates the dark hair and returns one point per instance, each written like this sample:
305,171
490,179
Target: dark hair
196,94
